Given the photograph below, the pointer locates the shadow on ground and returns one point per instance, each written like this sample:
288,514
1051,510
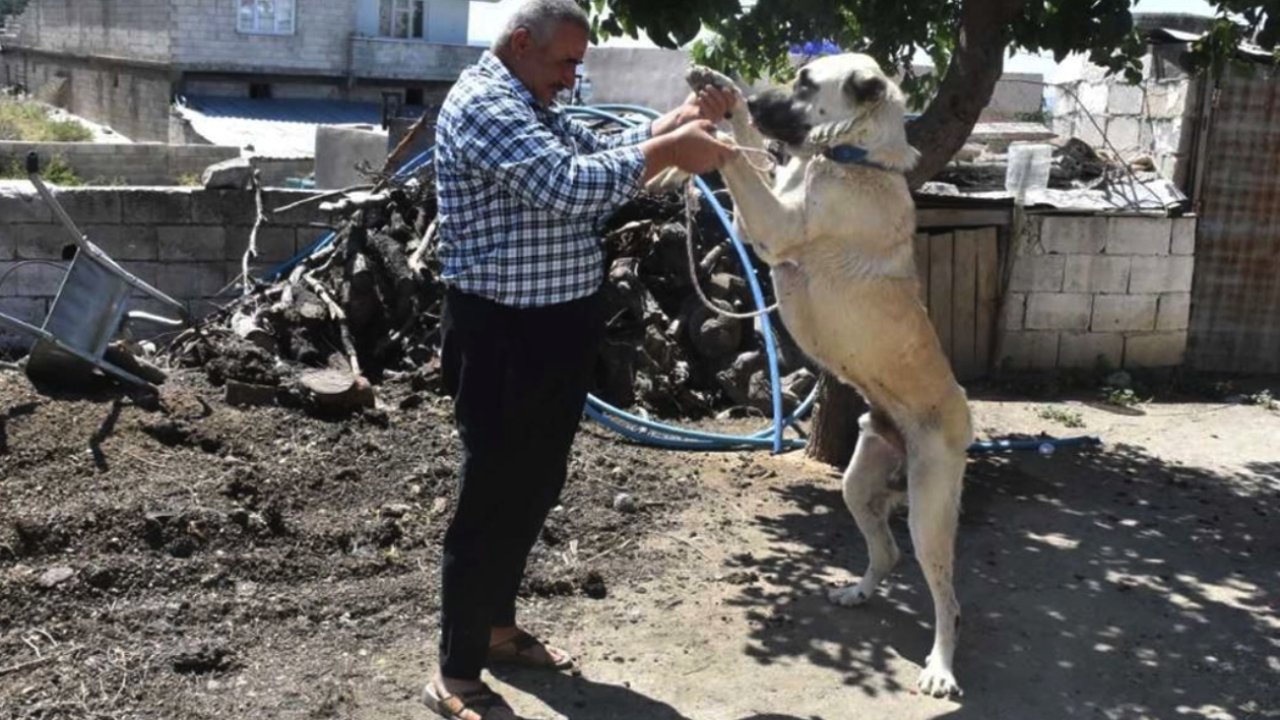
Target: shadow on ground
1102,583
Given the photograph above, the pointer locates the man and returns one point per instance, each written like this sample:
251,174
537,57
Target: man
523,191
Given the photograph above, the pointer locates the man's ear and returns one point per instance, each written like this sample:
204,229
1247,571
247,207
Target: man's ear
521,41
864,90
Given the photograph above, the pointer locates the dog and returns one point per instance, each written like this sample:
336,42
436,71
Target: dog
835,223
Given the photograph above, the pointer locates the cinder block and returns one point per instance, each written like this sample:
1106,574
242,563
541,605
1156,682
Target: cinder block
1183,241
26,278
23,205
1096,274
276,198
1161,274
125,242
275,244
91,205
1125,133
1083,350
184,281
1073,234
168,206
28,310
191,242
1174,312
1030,349
1163,349
41,242
1125,99
1037,273
1114,313
223,207
1138,236
1015,310
1059,311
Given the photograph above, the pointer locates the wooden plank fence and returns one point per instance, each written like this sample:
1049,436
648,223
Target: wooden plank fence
959,273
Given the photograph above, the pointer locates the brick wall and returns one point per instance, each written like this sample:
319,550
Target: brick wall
124,164
1090,286
184,241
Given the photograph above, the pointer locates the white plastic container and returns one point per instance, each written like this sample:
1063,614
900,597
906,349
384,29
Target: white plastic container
1028,168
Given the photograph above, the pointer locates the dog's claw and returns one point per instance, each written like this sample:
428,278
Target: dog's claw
938,681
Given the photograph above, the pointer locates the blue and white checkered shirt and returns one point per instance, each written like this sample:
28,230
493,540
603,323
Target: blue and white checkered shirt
524,190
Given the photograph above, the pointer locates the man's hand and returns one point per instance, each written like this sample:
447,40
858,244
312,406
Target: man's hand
692,148
710,103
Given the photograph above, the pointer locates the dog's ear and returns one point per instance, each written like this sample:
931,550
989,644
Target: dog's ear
864,90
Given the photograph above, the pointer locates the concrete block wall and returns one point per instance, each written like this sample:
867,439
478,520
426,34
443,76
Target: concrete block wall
186,242
1085,287
1136,119
115,28
206,36
124,164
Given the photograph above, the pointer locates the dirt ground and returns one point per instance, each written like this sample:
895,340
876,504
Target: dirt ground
191,560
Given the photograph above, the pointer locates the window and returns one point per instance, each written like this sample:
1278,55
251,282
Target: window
259,91
266,17
413,97
402,18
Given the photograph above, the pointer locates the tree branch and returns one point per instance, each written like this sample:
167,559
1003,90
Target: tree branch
966,87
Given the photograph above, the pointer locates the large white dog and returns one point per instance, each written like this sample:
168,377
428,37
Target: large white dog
836,223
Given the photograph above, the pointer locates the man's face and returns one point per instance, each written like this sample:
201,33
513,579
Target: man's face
548,68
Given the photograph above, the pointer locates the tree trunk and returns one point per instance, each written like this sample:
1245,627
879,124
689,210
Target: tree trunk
966,87
835,423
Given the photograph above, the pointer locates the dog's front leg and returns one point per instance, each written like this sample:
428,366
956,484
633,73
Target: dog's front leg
773,224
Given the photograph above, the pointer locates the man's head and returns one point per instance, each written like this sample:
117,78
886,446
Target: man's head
542,44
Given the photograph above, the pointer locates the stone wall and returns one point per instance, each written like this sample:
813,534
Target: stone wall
1091,286
123,163
184,241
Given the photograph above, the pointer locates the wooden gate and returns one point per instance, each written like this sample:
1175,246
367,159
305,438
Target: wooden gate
959,278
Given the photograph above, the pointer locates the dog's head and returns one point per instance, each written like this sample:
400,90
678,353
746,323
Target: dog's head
838,99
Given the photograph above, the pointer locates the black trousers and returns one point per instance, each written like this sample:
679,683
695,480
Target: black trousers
519,378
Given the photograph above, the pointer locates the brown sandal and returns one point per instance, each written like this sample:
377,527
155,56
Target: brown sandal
480,701
516,651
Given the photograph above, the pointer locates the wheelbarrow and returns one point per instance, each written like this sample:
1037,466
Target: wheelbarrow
89,312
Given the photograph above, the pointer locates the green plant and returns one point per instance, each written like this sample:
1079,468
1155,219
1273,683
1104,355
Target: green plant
1121,397
58,172
189,179
27,121
1070,418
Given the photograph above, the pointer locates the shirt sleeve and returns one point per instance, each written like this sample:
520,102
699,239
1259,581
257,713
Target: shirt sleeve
598,141
506,142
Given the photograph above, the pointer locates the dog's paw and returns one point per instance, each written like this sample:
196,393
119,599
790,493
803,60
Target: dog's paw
698,77
938,681
851,595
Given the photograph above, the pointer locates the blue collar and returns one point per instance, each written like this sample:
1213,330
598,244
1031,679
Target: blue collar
851,155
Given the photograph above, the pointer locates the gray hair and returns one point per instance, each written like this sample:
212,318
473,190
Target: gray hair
541,18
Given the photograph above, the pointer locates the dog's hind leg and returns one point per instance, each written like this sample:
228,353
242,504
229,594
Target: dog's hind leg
935,477
870,499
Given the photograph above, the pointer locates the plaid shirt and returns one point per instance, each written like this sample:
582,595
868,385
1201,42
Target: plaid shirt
524,190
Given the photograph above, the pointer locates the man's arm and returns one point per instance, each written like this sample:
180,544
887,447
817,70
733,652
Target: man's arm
507,143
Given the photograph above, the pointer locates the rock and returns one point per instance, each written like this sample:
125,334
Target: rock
233,174
800,383
625,503
54,577
594,586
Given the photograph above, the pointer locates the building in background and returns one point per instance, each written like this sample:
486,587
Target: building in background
124,63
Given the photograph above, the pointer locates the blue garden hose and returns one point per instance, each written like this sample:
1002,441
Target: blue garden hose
650,432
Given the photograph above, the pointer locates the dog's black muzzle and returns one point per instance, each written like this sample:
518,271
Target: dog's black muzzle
777,114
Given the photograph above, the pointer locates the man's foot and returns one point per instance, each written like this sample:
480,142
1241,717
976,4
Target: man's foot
514,646
465,700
